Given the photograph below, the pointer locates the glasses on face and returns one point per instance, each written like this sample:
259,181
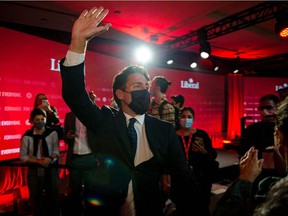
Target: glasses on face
269,108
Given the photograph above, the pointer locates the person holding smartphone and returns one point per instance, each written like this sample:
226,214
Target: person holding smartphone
200,154
41,101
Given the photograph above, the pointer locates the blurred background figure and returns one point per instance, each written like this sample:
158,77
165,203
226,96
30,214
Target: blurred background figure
261,135
81,160
41,101
160,107
40,148
200,155
177,102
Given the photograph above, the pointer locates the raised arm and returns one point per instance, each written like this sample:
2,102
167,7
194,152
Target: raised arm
86,27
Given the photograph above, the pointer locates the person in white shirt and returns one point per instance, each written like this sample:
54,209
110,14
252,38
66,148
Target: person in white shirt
81,161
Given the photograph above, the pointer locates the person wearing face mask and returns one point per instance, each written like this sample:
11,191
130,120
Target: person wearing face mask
240,199
40,149
134,149
52,120
200,154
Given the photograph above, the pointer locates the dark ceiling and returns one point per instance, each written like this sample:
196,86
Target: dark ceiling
234,28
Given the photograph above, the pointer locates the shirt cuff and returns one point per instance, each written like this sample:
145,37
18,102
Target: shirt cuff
73,59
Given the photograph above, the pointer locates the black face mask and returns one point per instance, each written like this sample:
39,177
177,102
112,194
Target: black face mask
140,101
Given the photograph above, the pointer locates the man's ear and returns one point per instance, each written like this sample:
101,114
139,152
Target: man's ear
119,94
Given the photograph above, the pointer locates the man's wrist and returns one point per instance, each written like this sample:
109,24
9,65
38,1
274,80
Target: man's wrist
78,46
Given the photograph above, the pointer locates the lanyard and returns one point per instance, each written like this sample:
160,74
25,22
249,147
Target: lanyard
187,145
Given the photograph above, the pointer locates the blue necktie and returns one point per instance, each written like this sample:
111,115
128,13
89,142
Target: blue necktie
132,136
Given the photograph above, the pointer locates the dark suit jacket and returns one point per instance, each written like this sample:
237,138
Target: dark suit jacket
116,163
70,124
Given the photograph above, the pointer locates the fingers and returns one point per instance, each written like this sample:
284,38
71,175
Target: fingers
260,163
247,154
95,12
83,14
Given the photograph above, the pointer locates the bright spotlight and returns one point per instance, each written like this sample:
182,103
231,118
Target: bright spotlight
193,65
143,55
170,62
235,71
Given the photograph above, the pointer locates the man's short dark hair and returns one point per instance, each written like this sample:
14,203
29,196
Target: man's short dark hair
120,79
272,97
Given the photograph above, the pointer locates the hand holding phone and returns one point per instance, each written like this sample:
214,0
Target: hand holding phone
45,102
199,141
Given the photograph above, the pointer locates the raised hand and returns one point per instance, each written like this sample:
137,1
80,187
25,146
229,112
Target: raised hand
250,166
86,27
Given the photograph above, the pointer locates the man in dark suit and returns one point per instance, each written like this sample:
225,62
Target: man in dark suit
81,161
126,184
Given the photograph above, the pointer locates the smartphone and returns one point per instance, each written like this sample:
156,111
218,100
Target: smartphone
197,139
45,102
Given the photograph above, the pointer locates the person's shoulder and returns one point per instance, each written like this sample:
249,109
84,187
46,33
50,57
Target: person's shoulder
166,105
49,130
200,130
157,121
28,132
109,110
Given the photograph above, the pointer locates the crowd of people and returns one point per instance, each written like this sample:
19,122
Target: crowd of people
142,152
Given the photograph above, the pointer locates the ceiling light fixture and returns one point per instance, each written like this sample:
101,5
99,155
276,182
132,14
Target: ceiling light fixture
205,48
193,64
236,65
281,26
170,61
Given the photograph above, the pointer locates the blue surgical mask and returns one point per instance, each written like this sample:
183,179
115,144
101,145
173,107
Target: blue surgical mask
186,123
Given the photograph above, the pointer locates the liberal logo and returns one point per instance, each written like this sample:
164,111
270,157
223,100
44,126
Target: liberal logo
189,84
278,87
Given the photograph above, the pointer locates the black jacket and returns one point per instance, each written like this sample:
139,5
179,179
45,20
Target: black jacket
116,167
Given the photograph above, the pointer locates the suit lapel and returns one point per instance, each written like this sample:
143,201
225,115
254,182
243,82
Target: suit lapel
121,127
152,132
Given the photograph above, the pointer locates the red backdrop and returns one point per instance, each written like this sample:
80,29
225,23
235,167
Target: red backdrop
29,65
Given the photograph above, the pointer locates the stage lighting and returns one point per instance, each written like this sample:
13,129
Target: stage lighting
281,26
193,64
215,65
205,49
170,61
237,65
143,55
